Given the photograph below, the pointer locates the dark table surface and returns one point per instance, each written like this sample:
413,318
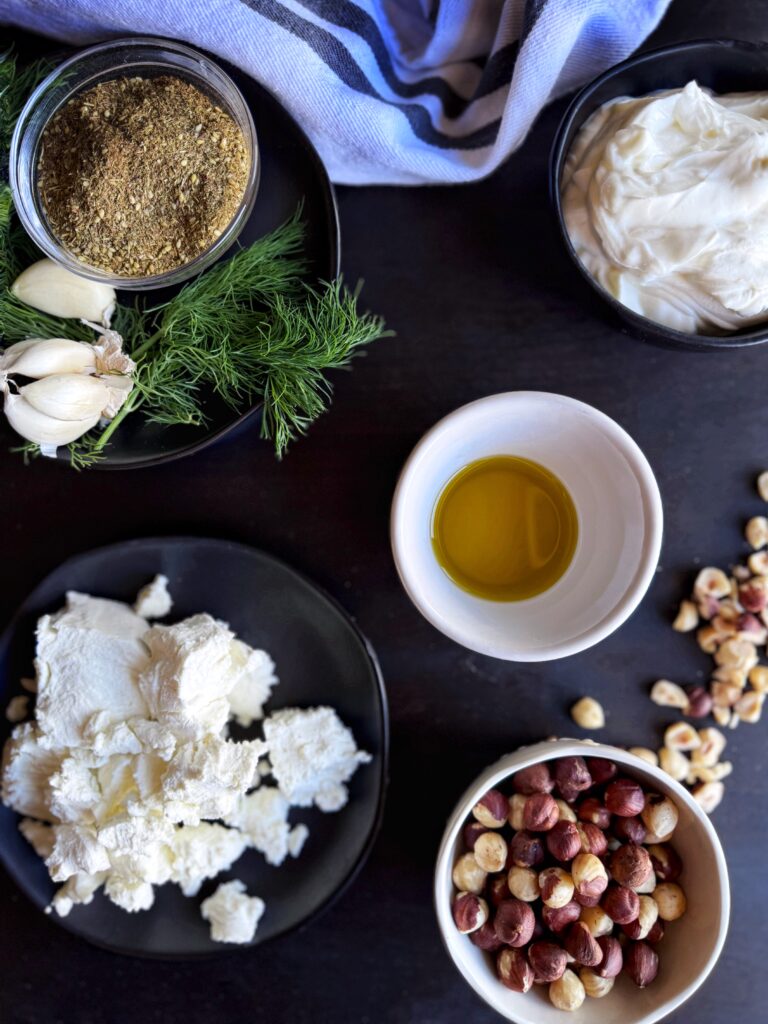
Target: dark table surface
483,299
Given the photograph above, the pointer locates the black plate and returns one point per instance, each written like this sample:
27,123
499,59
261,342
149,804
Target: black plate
321,658
723,65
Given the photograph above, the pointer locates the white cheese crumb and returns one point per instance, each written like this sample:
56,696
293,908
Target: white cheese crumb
17,709
263,817
202,851
27,766
130,894
298,836
76,849
80,888
255,679
153,600
205,778
234,916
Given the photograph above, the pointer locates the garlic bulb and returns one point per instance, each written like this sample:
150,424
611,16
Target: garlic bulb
68,396
45,431
48,286
40,357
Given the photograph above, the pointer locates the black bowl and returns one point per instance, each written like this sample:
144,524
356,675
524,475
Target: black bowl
723,65
321,658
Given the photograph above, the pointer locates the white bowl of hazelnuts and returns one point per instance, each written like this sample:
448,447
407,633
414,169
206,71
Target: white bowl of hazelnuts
574,876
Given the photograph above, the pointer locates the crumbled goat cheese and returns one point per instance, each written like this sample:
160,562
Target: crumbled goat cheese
256,677
80,888
312,754
27,767
131,894
234,916
153,601
76,848
205,778
298,835
203,851
18,708
263,817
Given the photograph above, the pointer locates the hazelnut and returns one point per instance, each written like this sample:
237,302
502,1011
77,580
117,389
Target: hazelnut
656,934
590,809
671,901
721,715
762,485
641,963
749,707
540,812
601,770
523,884
645,754
563,840
567,813
516,809
514,922
709,638
514,971
756,532
534,779
557,919
567,993
621,904
709,795
593,839
587,713
699,702
681,736
753,595
630,865
665,862
548,961
491,852
485,937
468,876
613,957
645,920
587,900
758,563
472,830
625,798
674,763
630,829
497,890
582,945
572,776
758,678
660,815
711,583
750,628
469,912
737,653
556,887
596,919
594,985
687,617
669,695
492,809
712,745
526,850
724,695
590,878
646,888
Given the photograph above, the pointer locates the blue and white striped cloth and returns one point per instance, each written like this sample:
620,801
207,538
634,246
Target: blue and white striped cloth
391,91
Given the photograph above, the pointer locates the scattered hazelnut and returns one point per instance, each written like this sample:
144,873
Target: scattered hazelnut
758,678
492,809
735,676
497,890
625,798
491,851
590,809
514,971
708,639
756,532
592,838
613,958
514,922
468,876
582,945
671,901
687,617
601,770
711,582
737,653
762,485
523,883
594,985
534,779
758,563
753,595
665,862
621,904
556,887
659,815
708,795
526,850
645,920
563,840
589,875
557,919
721,715
572,776
485,937
587,713
516,809
645,754
674,763
630,865
724,695
712,745
681,736
472,830
548,961
641,963
631,830
669,695
596,919
699,702
540,812
749,706
469,912
567,813
567,993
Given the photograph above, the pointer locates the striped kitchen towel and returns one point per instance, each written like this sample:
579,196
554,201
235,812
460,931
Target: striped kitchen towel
403,92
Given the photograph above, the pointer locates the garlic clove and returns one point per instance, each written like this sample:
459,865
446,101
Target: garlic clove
49,287
67,396
36,426
119,387
40,357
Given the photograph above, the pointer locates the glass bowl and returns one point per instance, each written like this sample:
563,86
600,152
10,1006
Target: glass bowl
118,58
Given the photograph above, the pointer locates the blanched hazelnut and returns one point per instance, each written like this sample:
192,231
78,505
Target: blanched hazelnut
687,617
589,875
497,890
593,839
523,883
674,763
645,754
621,904
624,797
588,713
563,841
711,582
516,809
596,919
601,770
468,876
749,707
590,809
556,887
567,813
699,702
491,852
630,865
736,653
540,812
721,715
526,850
595,986
534,779
514,922
681,736
582,945
758,678
557,919
671,901
572,776
669,695
485,937
630,830
548,961
472,830
641,963
762,485
469,912
713,743
491,809
665,861
567,993
660,815
724,695
709,795
756,532
646,918
514,971
758,563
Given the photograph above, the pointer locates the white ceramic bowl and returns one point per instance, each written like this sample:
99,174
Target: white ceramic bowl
620,524
690,947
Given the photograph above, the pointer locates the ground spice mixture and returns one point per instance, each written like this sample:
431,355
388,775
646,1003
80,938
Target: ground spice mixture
139,176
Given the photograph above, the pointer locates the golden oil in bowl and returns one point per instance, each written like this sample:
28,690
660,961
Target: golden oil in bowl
504,528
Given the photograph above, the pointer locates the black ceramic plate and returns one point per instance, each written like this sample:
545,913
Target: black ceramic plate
321,658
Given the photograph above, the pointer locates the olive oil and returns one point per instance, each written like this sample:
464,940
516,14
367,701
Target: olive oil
504,528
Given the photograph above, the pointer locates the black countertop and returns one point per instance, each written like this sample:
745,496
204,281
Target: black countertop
483,299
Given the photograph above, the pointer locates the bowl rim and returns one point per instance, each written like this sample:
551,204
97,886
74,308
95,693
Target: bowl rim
646,328
636,590
548,750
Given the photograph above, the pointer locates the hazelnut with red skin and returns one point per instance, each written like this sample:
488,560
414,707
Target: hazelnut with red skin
630,865
699,702
497,890
535,779
581,944
514,922
486,938
590,809
557,919
641,963
587,899
563,841
572,777
621,904
513,970
665,861
601,770
613,957
593,839
548,961
630,830
526,850
472,832
491,809
540,812
624,797
470,912
656,934
752,597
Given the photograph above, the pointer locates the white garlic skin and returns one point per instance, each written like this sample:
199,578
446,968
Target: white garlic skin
51,288
67,396
41,357
36,426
